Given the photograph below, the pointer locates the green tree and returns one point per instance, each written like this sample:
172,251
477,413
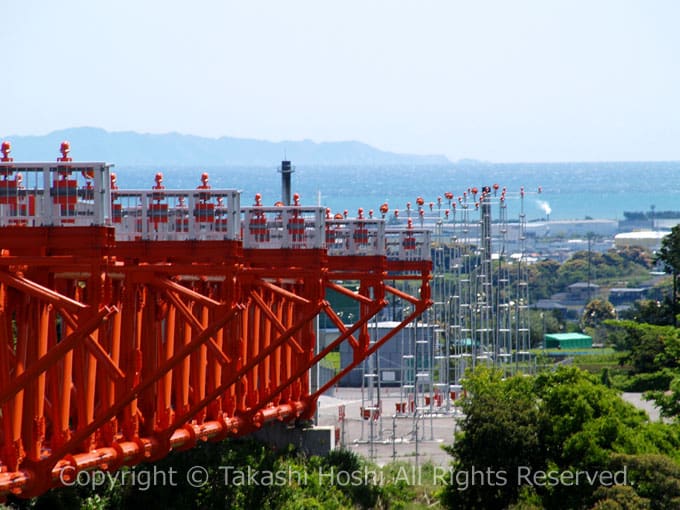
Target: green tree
573,270
596,312
668,401
562,421
669,254
637,255
500,433
609,265
655,479
651,311
651,348
619,497
542,279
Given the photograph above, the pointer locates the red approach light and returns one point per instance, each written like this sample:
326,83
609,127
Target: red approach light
64,148
204,181
6,148
159,181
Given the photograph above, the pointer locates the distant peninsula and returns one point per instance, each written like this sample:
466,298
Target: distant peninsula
131,148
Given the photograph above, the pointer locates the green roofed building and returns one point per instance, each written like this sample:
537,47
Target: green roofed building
567,341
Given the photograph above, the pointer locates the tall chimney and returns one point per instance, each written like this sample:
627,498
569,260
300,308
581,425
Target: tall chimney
286,169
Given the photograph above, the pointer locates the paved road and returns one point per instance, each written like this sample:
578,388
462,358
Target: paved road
639,402
391,436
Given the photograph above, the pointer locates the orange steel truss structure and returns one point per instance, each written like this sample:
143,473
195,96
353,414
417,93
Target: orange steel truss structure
136,322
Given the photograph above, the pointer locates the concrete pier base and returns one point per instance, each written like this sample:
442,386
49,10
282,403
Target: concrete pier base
314,440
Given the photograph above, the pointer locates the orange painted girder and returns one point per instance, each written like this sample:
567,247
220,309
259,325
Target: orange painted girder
145,346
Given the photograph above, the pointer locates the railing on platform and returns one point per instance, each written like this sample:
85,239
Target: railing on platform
80,194
295,227
176,215
355,237
408,244
55,194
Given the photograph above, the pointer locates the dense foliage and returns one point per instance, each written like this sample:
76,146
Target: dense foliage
547,277
563,422
669,254
304,483
650,348
650,311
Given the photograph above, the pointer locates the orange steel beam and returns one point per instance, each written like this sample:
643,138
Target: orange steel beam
342,290
180,289
274,320
124,452
364,354
375,308
40,292
196,340
402,295
62,346
47,360
335,319
197,326
248,366
132,393
283,292
96,349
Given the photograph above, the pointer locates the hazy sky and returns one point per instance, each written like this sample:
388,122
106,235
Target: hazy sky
497,80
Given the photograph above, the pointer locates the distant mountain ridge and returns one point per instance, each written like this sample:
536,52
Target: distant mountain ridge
131,148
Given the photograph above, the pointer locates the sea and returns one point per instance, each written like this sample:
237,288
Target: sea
555,191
